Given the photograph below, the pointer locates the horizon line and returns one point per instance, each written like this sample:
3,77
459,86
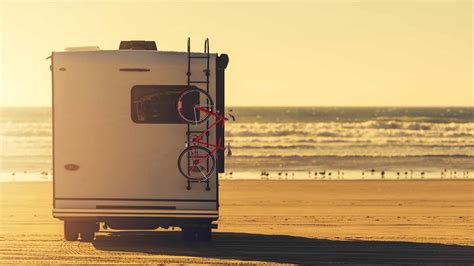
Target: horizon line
294,106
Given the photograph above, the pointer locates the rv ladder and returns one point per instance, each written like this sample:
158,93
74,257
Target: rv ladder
191,82
198,57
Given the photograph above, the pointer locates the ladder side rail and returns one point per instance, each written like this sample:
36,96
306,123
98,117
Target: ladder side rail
207,72
188,135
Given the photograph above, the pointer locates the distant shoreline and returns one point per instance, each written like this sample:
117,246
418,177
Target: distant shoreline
306,106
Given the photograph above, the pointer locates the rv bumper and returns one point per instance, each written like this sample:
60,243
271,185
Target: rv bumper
89,213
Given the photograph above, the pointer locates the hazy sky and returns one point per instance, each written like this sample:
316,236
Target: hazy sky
286,53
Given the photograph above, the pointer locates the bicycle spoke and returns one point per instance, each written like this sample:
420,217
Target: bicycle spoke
203,175
195,116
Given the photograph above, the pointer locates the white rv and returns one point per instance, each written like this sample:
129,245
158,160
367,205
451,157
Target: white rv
118,136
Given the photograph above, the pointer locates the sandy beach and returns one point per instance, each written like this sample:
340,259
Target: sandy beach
267,221
317,132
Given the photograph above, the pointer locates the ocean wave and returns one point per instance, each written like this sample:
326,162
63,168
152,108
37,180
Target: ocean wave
323,129
375,137
356,145
273,147
458,135
354,156
353,114
10,129
351,130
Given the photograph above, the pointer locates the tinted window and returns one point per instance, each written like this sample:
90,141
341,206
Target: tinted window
156,104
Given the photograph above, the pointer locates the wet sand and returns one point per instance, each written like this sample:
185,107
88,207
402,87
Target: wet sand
267,221
357,163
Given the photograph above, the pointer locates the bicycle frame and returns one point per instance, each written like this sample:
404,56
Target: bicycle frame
197,139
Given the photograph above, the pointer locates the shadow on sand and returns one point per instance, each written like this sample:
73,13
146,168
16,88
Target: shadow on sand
282,248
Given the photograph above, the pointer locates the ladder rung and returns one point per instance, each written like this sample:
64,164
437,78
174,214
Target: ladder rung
197,132
197,81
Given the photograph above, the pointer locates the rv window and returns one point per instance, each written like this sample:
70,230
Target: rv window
156,104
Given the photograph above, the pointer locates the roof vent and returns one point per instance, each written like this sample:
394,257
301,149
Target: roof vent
138,45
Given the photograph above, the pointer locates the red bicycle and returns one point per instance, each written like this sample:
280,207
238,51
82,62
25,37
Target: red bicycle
197,162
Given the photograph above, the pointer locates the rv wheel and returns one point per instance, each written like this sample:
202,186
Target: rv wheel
87,236
71,232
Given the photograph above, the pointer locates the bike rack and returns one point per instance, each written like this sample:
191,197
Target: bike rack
196,82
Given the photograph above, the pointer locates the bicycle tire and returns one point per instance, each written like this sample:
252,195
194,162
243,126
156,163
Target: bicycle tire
193,119
200,175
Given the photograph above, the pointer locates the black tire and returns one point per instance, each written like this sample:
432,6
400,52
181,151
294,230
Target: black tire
87,236
189,171
71,232
187,114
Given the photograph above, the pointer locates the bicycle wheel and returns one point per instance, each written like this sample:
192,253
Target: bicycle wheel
188,102
196,163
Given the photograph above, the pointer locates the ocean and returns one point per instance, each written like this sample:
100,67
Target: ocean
319,143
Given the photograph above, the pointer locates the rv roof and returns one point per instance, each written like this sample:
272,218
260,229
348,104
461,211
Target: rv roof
82,48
